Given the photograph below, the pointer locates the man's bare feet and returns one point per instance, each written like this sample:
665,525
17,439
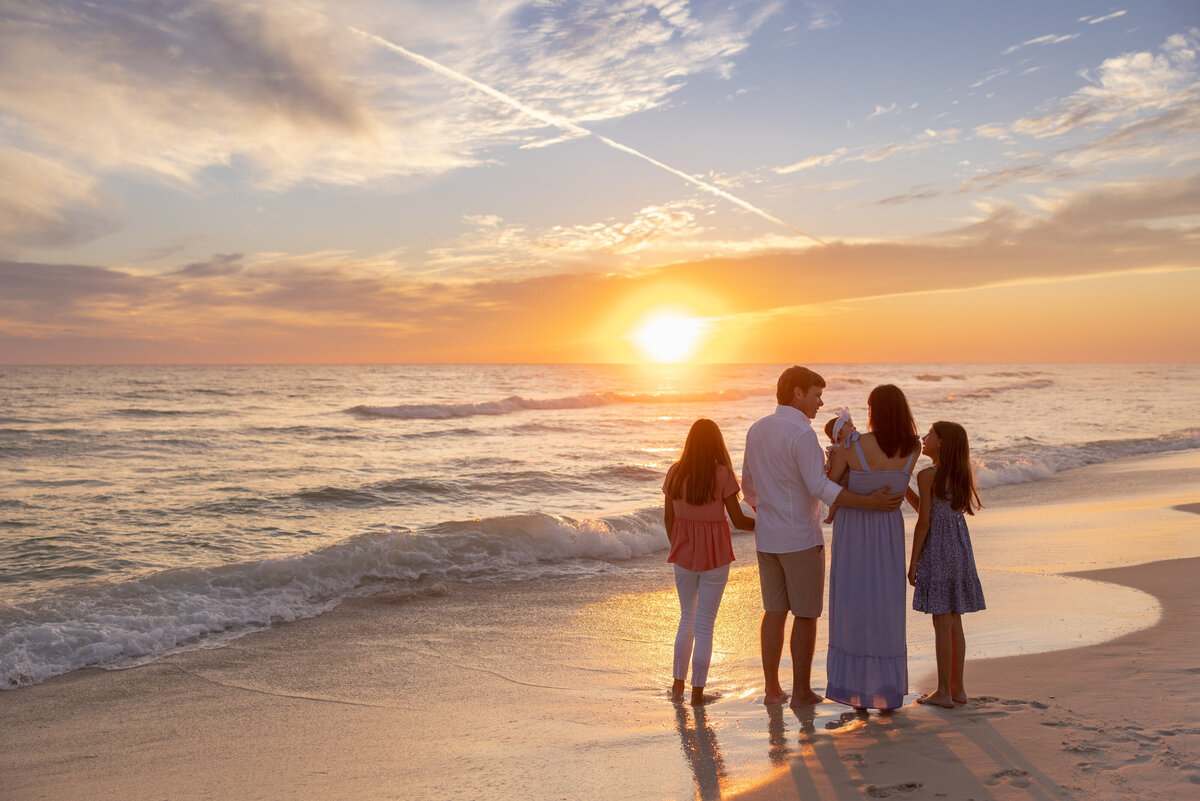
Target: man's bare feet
775,697
677,690
937,699
806,699
699,698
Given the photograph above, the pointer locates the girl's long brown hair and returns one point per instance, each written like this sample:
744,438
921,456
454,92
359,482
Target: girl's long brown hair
891,421
954,480
694,478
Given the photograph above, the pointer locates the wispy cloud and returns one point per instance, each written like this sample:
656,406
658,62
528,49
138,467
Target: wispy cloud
881,110
991,76
823,15
992,131
813,161
1123,87
1092,21
283,92
45,203
495,246
1048,39
1134,107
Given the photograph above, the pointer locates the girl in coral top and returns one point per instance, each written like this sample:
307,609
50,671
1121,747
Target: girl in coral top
699,489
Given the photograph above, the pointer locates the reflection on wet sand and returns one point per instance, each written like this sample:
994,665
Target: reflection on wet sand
701,750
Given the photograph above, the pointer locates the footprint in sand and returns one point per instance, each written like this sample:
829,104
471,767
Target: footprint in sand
1014,776
893,789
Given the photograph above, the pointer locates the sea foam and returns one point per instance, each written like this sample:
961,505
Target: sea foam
115,625
1036,462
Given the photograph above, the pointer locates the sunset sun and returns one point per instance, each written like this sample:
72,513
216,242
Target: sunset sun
669,338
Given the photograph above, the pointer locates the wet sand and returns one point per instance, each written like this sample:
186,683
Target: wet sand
556,690
1116,720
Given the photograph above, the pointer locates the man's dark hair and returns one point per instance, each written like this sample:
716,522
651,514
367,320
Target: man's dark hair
793,377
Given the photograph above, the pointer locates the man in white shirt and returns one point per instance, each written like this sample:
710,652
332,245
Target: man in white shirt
783,479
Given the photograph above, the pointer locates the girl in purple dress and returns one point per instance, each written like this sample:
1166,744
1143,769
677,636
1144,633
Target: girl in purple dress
700,488
942,566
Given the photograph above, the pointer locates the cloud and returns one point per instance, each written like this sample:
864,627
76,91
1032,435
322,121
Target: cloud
824,15
495,247
991,76
1135,107
1124,86
338,307
282,93
895,200
1105,18
948,134
219,264
992,131
813,161
881,110
886,151
872,153
45,203
1048,39
1041,171
1127,203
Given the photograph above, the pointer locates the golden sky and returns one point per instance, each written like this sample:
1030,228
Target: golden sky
208,181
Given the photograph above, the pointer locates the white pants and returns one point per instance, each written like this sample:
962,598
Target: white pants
699,598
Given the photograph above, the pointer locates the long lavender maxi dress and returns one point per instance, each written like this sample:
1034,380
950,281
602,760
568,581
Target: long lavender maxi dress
867,663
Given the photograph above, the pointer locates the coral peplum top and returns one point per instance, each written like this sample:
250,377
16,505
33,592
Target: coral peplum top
700,538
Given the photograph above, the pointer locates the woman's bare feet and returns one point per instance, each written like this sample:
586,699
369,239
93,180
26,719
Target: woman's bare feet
677,690
937,699
959,696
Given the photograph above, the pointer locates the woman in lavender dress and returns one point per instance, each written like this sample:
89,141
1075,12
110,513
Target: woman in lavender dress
867,663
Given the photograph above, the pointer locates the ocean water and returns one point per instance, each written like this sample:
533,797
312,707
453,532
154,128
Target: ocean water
144,510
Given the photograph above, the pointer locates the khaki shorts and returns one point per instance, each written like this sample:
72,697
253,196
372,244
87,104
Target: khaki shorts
793,582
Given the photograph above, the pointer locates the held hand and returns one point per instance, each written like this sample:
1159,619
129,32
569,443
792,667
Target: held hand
912,575
883,502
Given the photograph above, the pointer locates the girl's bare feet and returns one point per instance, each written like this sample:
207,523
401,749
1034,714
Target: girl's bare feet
937,699
677,690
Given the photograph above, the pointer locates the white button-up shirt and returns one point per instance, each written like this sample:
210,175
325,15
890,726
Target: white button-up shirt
783,478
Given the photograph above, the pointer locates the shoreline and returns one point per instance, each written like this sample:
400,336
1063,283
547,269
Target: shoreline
1072,724
451,695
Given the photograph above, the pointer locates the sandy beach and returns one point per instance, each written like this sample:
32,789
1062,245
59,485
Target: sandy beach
543,692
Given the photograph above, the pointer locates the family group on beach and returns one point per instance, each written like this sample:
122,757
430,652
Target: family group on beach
786,476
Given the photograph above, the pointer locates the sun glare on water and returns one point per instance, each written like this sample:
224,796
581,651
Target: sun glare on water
669,339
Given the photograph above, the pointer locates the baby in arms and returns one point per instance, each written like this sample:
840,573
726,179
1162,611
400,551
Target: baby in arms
841,433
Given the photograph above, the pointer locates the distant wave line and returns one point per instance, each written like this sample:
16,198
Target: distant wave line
573,128
515,403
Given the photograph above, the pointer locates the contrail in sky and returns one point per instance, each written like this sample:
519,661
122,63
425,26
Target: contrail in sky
570,127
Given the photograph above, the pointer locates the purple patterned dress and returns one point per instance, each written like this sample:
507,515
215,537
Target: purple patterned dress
946,577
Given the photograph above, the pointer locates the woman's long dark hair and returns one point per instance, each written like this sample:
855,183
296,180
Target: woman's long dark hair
954,480
891,421
694,478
